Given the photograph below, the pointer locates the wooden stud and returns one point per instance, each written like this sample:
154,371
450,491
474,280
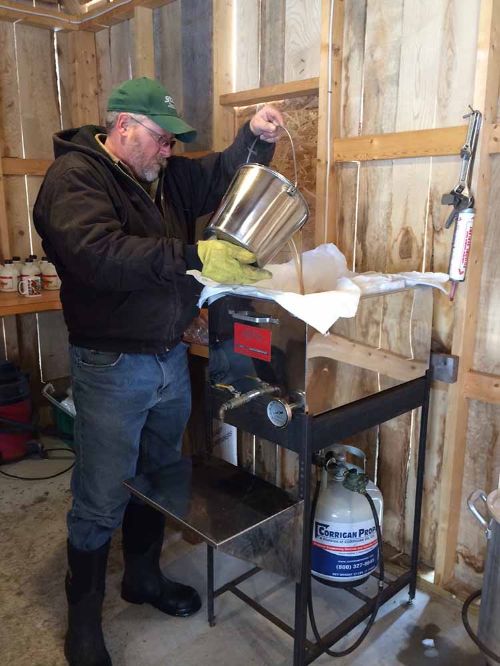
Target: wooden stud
494,144
73,7
485,99
144,57
270,93
15,12
365,356
4,223
482,386
328,119
395,145
95,20
223,118
17,166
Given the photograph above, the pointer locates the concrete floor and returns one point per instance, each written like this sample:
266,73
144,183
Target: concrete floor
32,603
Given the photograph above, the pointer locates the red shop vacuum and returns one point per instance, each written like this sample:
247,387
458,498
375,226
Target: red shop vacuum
16,428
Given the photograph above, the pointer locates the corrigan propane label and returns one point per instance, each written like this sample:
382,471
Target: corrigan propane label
344,550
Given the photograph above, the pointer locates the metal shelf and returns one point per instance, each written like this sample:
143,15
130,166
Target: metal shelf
216,500
244,515
306,435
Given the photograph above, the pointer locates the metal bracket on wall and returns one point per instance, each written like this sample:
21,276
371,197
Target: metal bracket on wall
444,367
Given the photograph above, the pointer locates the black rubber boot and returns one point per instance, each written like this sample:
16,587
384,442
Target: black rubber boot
143,581
85,584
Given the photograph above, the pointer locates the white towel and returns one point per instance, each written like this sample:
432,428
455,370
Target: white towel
332,291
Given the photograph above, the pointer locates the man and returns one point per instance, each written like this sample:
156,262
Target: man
116,214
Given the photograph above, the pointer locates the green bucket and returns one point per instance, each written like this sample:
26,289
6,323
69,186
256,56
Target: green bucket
64,424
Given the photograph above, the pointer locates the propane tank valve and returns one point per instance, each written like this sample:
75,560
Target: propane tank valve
355,481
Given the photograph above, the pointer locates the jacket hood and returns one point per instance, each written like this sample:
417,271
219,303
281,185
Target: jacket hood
80,139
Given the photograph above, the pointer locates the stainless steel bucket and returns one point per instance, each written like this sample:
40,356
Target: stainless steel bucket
489,612
260,211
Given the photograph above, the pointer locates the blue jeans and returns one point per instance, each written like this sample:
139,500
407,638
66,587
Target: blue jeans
131,411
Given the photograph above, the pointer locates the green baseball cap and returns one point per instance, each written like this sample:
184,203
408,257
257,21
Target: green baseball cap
149,98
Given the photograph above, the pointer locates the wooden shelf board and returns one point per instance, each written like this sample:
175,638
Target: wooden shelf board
198,350
14,304
269,93
397,145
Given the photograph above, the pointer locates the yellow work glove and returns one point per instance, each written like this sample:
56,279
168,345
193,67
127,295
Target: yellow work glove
229,263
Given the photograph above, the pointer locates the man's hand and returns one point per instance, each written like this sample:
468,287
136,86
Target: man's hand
228,263
266,123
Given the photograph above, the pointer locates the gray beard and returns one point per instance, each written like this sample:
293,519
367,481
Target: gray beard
150,174
147,173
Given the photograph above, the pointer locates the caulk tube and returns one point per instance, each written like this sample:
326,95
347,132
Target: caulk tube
460,247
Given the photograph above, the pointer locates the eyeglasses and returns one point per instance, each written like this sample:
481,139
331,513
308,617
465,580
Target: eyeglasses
162,141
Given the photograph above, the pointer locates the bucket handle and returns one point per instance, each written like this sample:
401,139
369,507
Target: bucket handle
353,450
294,159
48,392
471,503
290,190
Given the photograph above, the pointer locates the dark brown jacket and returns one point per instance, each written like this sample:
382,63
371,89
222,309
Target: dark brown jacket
121,260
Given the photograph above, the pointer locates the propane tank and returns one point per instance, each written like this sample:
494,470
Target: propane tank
345,548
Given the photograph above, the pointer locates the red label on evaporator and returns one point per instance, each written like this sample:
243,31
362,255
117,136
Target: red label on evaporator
252,341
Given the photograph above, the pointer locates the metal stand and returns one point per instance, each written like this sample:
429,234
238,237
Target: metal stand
307,435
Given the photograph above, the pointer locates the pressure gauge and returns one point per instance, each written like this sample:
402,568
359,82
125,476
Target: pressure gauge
279,412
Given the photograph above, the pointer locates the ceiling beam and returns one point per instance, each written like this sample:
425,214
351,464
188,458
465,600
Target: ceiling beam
93,20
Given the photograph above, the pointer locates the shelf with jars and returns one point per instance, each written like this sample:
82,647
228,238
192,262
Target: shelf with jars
29,286
12,303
